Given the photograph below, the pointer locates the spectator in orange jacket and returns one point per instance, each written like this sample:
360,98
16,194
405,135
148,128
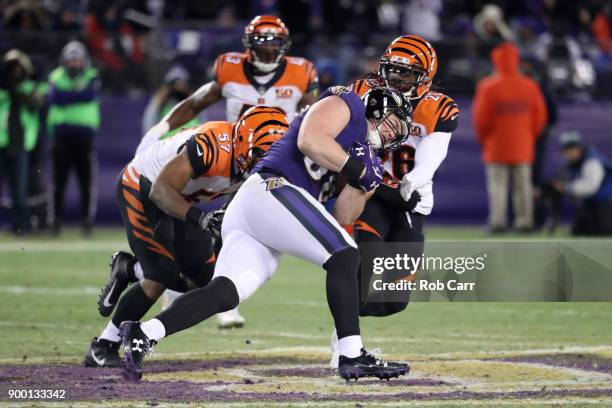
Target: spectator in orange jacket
509,113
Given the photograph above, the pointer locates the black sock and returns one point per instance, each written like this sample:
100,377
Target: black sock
220,295
343,291
134,304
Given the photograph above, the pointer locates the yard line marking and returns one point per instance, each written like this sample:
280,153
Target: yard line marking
33,290
62,246
305,303
292,335
10,323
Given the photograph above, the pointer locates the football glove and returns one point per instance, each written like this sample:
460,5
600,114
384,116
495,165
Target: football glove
212,221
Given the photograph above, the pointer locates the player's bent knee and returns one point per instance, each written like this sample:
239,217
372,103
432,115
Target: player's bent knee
152,289
346,260
225,292
247,263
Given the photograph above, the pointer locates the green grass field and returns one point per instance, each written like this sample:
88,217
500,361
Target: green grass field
483,354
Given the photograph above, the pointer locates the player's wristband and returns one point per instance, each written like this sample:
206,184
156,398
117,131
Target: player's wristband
352,170
193,215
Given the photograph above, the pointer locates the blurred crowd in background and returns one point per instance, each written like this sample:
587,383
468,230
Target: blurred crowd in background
134,41
166,49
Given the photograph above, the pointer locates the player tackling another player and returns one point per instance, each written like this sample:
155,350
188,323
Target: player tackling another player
262,75
168,235
278,211
397,211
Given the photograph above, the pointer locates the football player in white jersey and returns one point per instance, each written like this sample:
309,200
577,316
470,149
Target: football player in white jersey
175,250
262,75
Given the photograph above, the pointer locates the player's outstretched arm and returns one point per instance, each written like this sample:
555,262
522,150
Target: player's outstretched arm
182,113
191,107
320,127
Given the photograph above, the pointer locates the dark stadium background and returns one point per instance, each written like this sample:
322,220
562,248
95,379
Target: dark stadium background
344,39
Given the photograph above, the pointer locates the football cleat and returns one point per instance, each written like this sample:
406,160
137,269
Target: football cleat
335,351
136,346
230,319
367,365
119,279
103,353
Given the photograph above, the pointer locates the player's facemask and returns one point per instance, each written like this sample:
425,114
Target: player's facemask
400,129
246,163
405,79
391,113
267,50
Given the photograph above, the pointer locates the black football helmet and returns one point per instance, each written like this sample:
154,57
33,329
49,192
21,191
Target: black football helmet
381,103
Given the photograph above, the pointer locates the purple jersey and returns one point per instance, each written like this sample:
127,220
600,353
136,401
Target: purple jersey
284,157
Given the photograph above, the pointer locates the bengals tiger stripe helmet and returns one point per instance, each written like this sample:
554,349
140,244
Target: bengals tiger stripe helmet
254,132
409,65
266,39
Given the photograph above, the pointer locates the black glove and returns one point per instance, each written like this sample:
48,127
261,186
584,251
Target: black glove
212,221
412,202
392,197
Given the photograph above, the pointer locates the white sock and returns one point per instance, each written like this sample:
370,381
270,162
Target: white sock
350,346
154,329
110,333
138,271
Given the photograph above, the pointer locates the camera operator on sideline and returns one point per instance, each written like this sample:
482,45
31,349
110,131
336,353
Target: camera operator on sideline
589,182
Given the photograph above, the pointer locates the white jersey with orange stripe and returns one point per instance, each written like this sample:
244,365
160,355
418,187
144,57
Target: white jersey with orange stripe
209,150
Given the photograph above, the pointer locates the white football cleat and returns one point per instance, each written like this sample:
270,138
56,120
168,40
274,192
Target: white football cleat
335,351
230,319
168,297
